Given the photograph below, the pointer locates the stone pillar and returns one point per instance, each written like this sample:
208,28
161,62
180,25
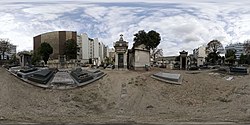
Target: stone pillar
125,60
116,60
183,60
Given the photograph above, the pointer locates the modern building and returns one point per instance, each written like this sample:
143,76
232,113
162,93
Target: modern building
200,54
238,47
90,50
57,41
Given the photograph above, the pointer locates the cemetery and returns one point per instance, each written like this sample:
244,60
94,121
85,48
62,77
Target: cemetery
54,77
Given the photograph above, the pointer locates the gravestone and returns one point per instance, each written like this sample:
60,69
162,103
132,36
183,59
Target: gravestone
62,78
41,77
26,72
168,77
239,70
96,72
15,69
81,75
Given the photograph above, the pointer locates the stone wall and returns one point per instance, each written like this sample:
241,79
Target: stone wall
142,58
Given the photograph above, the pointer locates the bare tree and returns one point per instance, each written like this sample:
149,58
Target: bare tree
155,53
247,46
212,51
5,46
213,46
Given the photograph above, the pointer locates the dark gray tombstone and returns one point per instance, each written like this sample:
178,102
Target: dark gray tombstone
42,76
81,75
239,70
26,72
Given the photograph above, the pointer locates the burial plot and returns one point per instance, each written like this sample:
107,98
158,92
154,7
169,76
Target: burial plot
96,72
42,76
168,77
15,69
239,70
81,75
62,78
24,73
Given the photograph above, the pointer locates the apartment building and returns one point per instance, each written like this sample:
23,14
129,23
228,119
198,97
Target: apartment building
238,47
200,55
90,50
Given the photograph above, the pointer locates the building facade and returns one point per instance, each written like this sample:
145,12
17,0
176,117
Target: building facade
90,50
138,57
121,52
200,54
56,40
238,47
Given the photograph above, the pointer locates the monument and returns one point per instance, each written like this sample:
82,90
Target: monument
121,50
183,60
25,59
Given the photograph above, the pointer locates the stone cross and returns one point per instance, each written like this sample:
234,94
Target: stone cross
121,39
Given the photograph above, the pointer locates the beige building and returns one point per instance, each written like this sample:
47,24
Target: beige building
56,40
139,57
200,55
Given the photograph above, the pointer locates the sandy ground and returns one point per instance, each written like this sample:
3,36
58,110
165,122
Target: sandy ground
129,96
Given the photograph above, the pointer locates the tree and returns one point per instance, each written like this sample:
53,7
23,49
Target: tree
212,50
35,58
155,53
71,49
151,39
230,56
243,59
213,46
45,50
4,46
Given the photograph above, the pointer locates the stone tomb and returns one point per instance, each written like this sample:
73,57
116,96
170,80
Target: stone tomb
96,72
42,76
26,72
239,70
81,75
62,77
168,77
15,69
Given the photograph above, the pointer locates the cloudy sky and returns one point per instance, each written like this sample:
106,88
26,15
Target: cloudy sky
183,24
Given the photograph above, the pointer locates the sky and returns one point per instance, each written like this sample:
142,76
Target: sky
182,24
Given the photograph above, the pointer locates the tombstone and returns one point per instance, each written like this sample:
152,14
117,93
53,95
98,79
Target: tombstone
26,72
168,77
62,77
81,76
25,59
121,50
183,60
239,70
42,76
96,72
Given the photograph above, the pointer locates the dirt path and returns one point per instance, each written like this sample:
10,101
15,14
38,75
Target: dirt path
123,96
